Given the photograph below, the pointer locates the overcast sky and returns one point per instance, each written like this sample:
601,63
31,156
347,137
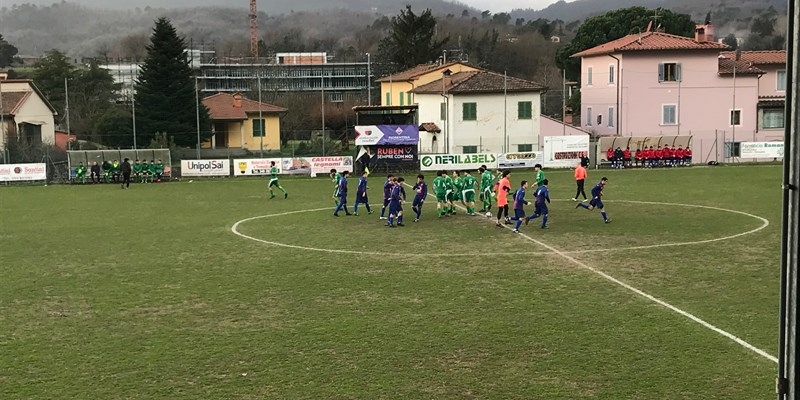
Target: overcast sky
507,5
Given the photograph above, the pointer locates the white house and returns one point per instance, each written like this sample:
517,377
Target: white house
25,113
479,112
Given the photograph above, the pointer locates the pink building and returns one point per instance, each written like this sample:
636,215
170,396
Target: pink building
654,83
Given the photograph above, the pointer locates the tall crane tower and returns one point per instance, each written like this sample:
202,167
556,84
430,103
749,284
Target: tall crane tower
253,29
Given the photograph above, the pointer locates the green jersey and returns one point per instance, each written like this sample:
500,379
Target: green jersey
448,183
159,168
145,168
486,180
458,184
80,170
539,178
337,178
468,183
115,166
439,185
152,168
137,167
273,173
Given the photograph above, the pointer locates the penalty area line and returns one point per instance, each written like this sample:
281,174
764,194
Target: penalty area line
647,296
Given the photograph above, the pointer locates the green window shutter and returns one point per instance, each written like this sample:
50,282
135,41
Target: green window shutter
443,111
402,99
258,127
408,98
388,99
469,111
524,110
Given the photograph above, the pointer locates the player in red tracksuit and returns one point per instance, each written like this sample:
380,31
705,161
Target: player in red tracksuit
687,156
638,156
666,155
610,156
626,157
678,156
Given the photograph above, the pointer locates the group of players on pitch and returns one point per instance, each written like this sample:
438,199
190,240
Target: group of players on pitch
460,187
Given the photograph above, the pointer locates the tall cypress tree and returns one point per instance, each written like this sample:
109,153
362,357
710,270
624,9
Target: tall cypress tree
165,91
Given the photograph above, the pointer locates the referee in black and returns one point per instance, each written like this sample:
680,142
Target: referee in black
126,173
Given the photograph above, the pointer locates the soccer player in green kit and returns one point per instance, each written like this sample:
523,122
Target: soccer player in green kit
80,172
487,181
440,190
273,181
336,177
448,184
468,192
539,175
158,170
137,171
145,171
458,188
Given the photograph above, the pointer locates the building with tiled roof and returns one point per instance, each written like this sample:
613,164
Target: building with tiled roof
396,89
478,112
238,122
26,113
655,83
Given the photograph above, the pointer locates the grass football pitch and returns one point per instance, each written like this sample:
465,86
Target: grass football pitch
148,293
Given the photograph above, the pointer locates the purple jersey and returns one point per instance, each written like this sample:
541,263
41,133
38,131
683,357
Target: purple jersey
422,190
387,189
362,184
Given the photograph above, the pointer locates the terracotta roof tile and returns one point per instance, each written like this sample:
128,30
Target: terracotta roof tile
759,57
429,127
12,101
742,67
415,72
480,82
221,107
650,41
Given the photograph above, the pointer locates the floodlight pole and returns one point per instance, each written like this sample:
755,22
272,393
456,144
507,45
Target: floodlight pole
788,351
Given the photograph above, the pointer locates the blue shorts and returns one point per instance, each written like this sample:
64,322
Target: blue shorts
395,207
385,202
541,209
596,203
418,201
343,198
361,198
519,213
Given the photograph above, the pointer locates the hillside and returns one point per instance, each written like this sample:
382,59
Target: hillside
733,13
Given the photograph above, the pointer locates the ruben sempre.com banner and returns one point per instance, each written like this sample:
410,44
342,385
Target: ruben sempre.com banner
564,151
470,162
520,159
761,150
23,172
221,167
396,154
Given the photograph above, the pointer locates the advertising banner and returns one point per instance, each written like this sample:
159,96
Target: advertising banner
470,162
396,154
323,165
296,166
255,166
761,150
520,159
564,151
23,172
371,135
221,167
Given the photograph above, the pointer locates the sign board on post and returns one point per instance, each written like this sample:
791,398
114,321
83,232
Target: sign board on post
371,135
761,150
190,168
396,154
434,162
564,151
255,166
323,165
23,172
520,159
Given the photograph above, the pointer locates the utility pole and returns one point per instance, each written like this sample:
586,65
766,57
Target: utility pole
66,105
369,82
261,124
133,104
322,109
197,111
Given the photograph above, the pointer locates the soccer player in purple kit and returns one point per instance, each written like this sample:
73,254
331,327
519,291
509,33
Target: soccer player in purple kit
387,192
542,194
421,189
597,199
342,193
519,203
361,194
396,202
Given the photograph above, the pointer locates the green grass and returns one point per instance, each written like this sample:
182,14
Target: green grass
146,293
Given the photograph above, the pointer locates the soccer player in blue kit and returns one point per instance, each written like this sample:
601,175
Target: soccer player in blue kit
519,203
361,194
396,198
387,191
421,189
597,199
341,192
542,194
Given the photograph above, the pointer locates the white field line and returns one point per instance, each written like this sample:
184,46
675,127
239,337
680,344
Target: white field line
651,297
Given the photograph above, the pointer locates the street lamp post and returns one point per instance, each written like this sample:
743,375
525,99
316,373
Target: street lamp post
369,81
261,125
197,112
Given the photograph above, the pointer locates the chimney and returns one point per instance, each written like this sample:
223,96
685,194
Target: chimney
709,32
237,100
3,76
700,34
446,80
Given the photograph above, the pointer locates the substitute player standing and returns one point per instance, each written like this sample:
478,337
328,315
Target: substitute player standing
597,199
273,181
421,190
